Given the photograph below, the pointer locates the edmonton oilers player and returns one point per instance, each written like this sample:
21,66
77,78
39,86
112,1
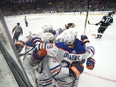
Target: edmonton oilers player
29,43
64,60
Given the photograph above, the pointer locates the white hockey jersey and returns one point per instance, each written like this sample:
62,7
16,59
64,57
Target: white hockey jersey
59,51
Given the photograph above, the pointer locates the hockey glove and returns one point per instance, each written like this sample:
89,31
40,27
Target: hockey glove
97,24
84,39
19,46
90,63
82,61
39,54
42,53
69,25
76,69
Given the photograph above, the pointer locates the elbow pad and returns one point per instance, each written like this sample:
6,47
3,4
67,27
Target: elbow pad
90,50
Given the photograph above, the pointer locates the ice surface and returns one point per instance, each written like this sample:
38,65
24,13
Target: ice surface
104,73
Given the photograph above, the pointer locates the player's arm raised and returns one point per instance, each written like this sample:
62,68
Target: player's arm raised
90,51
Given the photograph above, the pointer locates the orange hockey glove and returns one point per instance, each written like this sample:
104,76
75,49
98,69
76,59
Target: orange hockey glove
42,52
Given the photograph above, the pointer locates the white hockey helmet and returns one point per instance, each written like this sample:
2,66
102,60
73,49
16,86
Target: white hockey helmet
68,38
75,33
40,34
47,37
47,28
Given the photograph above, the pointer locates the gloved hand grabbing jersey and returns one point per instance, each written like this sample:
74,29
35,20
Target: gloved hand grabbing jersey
39,54
84,39
42,53
90,63
70,25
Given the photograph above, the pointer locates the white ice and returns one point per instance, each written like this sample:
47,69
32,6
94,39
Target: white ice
104,73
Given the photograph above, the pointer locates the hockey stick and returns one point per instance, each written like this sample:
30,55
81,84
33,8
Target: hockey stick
86,17
90,23
22,54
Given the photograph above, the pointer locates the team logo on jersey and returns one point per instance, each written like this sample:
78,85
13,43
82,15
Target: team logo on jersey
73,51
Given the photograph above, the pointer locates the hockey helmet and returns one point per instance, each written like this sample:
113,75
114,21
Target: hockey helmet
47,28
47,37
68,38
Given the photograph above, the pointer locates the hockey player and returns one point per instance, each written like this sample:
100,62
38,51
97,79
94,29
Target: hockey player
104,23
29,43
28,62
64,60
49,28
45,36
17,32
